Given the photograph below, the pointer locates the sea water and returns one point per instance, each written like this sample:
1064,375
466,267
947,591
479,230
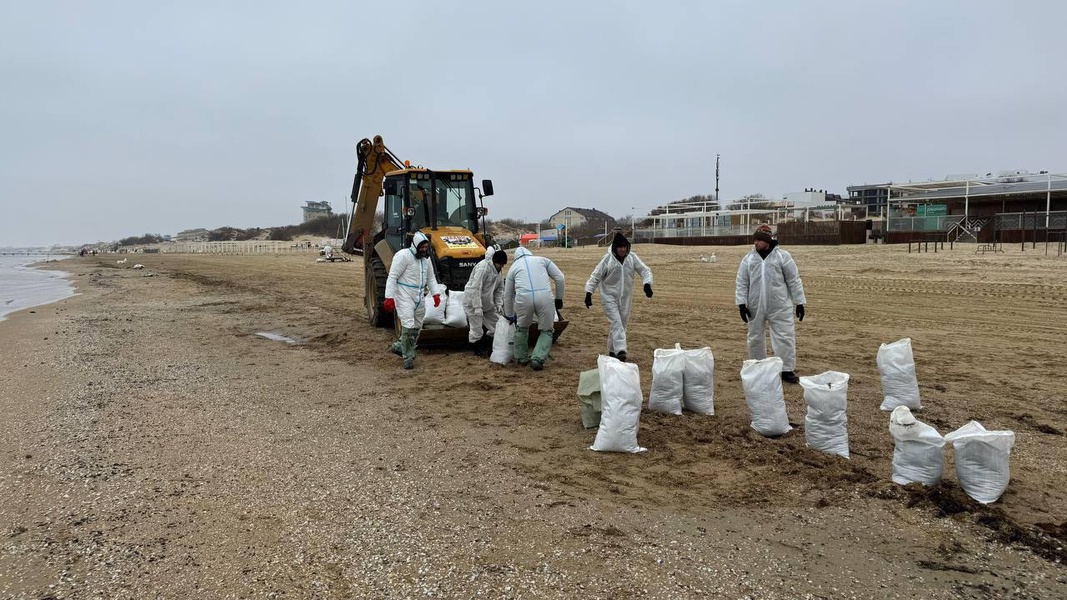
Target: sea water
22,286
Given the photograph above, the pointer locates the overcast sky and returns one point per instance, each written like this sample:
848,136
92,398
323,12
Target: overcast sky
123,118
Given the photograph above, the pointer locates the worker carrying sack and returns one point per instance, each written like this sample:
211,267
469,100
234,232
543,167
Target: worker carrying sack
917,454
698,391
503,343
982,460
668,369
826,424
620,398
897,367
762,380
589,397
455,315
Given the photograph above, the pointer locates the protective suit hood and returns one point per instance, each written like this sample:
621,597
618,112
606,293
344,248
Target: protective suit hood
522,251
419,238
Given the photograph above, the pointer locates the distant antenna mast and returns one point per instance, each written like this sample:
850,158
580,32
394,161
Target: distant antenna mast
717,179
347,221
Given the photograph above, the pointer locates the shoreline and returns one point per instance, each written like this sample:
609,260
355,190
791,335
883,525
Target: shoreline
41,265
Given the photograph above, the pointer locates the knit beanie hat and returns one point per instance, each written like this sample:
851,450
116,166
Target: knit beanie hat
763,232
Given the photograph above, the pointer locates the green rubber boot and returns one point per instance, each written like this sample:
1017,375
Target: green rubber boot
522,345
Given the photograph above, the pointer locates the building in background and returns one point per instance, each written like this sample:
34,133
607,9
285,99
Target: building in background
811,198
873,196
192,235
584,218
316,210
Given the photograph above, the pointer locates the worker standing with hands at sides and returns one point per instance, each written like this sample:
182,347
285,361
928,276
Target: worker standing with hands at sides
528,298
614,277
411,277
768,293
483,297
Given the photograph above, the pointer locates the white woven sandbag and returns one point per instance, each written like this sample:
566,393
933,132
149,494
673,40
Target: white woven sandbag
455,315
982,460
917,453
620,406
826,424
698,391
897,367
435,315
762,380
503,343
668,368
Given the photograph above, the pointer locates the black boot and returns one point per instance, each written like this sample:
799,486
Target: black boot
790,377
621,356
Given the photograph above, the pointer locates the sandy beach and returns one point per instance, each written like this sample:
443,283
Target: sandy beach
155,446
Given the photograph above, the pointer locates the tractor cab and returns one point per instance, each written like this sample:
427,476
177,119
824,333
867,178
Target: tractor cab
443,205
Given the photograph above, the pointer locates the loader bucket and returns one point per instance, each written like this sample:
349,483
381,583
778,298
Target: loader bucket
557,329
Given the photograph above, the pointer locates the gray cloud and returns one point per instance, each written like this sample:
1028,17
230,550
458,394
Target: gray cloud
129,117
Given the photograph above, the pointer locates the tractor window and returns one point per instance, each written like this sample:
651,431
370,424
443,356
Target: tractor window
455,204
420,201
394,207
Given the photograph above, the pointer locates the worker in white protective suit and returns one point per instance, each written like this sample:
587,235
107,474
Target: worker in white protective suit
614,277
768,293
529,298
411,278
483,297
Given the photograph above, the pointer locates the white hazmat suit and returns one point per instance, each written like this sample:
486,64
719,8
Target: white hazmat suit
529,297
770,287
615,280
410,280
483,296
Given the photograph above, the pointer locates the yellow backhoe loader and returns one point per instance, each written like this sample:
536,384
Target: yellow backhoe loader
440,204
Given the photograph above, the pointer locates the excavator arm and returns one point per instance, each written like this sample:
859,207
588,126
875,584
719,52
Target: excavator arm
374,160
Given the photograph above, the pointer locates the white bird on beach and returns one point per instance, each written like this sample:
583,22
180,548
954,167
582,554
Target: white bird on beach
121,262
138,266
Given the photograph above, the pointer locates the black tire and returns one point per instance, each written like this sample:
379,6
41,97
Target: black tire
374,295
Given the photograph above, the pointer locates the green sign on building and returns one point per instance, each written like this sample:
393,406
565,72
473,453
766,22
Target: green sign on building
931,210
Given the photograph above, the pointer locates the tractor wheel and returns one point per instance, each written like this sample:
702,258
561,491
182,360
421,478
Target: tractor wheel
374,295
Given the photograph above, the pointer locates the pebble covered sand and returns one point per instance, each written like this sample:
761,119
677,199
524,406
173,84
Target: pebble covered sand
154,446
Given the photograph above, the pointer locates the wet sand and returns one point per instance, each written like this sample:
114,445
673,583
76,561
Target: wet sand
157,446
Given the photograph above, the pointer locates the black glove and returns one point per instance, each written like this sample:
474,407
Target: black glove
800,312
589,299
648,290
559,303
512,319
745,314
